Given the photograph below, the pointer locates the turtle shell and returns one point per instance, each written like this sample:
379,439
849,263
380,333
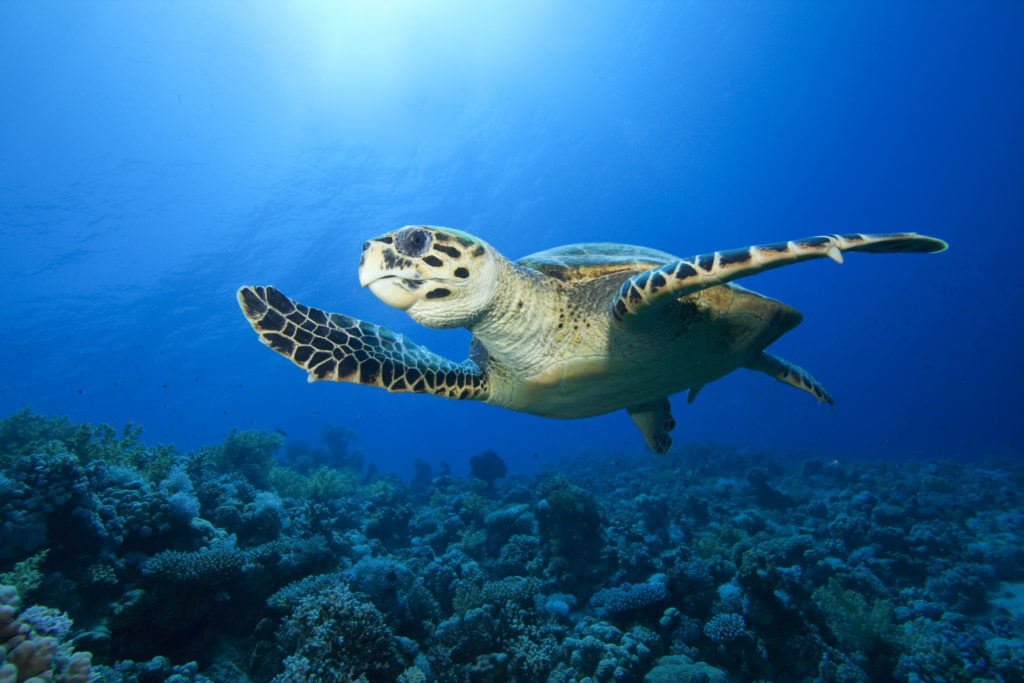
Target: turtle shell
586,261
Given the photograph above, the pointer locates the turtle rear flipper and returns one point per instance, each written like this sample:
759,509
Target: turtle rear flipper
655,422
337,348
790,374
686,276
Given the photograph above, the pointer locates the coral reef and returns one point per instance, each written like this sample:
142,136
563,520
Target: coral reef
254,560
332,635
34,646
488,467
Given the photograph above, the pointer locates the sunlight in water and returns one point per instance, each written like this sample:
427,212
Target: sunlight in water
389,49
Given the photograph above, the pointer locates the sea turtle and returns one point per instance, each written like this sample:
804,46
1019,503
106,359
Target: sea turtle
570,332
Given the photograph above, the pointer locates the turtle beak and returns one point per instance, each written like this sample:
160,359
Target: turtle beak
394,292
392,278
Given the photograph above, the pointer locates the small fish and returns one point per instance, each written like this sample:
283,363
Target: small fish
280,431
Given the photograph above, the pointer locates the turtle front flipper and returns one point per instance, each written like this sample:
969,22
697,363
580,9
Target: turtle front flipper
335,347
655,422
679,278
790,374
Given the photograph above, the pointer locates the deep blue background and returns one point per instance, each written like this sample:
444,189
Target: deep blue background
155,156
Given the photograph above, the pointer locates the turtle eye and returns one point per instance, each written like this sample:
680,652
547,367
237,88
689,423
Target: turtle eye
412,241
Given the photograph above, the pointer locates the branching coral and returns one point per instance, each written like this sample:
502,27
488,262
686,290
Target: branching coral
208,567
629,597
26,575
332,635
27,433
569,520
248,453
725,627
860,625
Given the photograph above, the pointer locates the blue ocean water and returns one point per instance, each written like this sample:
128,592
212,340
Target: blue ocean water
156,156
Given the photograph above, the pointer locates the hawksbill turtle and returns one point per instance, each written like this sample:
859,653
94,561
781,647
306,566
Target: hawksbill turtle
570,332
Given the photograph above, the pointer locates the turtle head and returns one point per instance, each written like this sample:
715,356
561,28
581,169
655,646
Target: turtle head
440,277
